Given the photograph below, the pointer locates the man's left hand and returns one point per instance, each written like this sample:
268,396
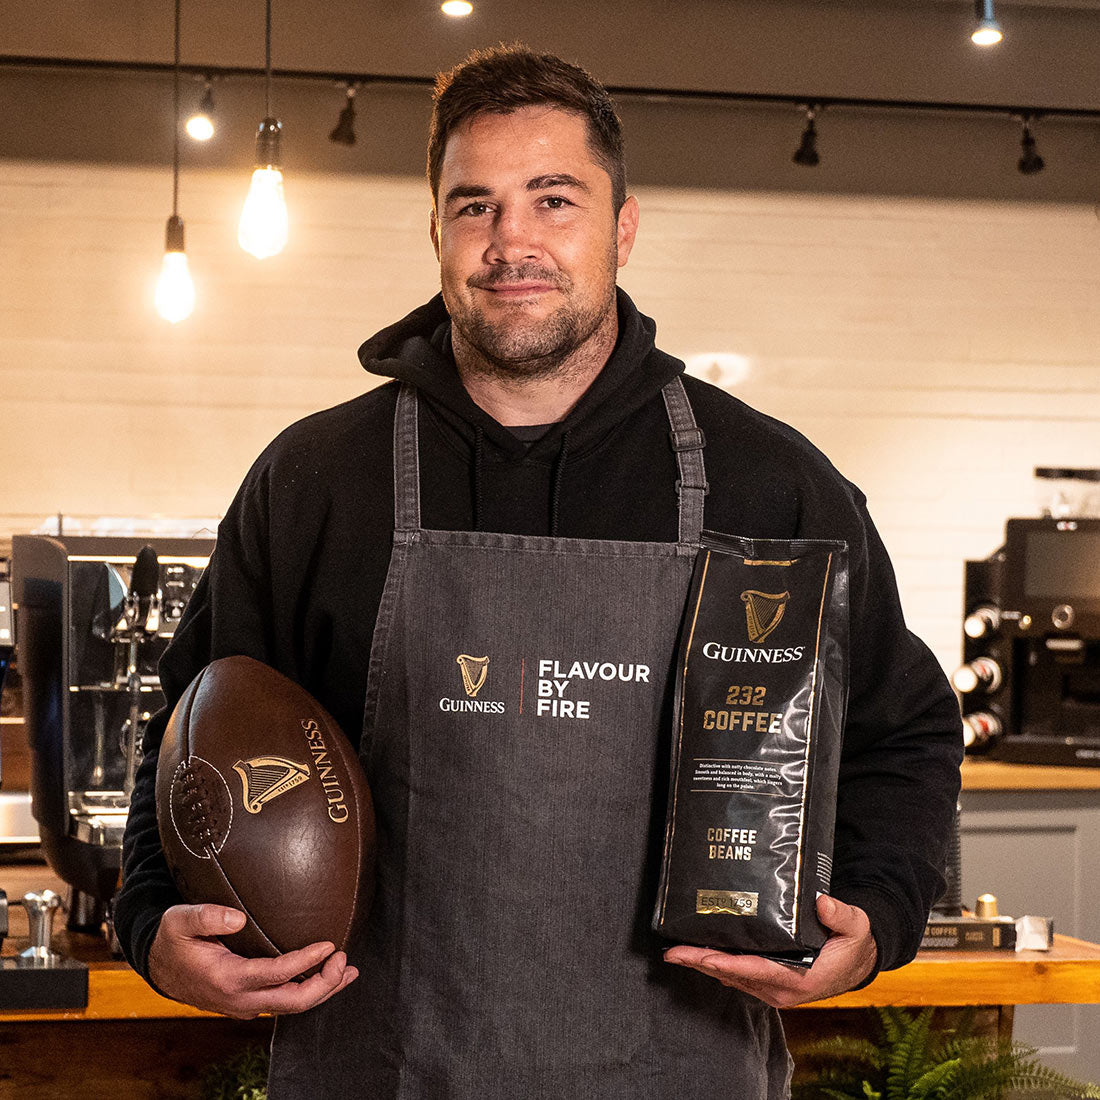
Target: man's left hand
846,959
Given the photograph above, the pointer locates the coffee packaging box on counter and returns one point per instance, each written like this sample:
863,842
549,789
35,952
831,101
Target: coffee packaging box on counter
761,690
969,934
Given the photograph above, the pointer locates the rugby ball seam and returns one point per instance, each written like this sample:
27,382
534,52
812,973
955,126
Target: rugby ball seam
211,850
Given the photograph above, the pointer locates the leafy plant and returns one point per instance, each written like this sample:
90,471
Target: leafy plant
242,1077
910,1060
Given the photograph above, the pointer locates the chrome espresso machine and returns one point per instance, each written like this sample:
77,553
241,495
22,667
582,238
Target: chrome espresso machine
93,615
1030,678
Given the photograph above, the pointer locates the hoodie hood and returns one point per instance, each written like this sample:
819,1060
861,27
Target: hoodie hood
417,349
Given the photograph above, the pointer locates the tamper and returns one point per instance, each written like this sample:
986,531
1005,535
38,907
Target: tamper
38,978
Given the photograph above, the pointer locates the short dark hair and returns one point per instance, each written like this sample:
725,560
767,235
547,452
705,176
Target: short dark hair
503,79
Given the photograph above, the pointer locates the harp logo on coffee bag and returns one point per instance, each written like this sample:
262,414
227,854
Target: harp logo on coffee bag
763,612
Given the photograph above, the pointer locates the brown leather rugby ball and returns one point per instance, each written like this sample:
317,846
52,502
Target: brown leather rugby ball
263,806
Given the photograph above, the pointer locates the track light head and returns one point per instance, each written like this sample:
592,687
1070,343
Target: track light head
200,125
806,154
344,131
1030,162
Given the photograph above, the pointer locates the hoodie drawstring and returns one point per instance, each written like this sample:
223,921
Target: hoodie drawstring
555,492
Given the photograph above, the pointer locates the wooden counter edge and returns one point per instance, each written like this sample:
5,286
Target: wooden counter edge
115,992
1069,974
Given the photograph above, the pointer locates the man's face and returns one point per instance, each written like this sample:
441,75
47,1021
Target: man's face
527,240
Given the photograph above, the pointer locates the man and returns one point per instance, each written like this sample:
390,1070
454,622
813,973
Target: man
518,493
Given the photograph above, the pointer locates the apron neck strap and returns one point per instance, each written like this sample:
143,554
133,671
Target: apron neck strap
685,438
406,461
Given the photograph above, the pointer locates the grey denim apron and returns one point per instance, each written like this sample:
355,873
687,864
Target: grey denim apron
517,693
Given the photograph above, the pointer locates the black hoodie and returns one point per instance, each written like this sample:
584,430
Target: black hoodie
302,554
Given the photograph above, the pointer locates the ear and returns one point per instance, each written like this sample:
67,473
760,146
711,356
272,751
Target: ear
433,230
627,228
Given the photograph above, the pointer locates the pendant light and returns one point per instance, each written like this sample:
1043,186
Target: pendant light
175,295
263,227
988,31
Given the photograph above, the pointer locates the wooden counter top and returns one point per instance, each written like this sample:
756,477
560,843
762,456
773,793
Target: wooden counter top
980,774
1068,974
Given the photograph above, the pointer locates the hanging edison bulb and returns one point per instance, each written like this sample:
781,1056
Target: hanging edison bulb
263,229
264,224
175,295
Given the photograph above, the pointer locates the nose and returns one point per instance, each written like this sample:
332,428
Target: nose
515,237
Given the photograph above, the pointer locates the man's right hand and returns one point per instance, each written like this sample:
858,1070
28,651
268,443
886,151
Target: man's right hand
189,963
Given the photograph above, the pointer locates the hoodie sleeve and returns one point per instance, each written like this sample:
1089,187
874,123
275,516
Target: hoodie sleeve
226,615
899,770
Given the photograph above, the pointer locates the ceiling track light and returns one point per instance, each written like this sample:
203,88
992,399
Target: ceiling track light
988,31
1030,162
200,125
264,229
175,293
343,133
456,9
806,154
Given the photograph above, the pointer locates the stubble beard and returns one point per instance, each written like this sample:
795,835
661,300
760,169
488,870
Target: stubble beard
519,349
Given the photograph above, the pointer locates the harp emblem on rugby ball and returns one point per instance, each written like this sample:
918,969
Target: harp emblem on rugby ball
474,671
763,611
267,777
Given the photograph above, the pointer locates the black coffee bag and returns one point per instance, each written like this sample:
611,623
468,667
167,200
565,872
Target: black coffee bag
761,691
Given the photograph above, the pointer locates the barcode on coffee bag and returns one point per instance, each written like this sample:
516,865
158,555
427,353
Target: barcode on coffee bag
759,717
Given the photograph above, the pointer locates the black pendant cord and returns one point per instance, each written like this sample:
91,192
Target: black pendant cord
267,55
176,124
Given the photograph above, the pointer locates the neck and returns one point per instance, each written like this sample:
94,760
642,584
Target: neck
533,394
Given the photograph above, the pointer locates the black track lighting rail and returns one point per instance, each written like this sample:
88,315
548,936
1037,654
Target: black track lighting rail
656,95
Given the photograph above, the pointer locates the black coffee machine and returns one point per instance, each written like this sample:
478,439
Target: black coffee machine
1030,678
94,614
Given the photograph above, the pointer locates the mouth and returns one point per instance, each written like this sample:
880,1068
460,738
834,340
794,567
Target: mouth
519,290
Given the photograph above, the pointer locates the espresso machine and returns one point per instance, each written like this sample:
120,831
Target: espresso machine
1030,678
94,614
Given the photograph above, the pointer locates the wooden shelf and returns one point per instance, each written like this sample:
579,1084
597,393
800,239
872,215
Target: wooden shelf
994,775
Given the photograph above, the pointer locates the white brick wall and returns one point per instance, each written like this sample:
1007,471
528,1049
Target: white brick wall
936,350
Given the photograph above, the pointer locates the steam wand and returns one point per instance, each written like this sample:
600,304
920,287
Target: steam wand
142,621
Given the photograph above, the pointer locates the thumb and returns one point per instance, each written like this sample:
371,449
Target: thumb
846,920
209,920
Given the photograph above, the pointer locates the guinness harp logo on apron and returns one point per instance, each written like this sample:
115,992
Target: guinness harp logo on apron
474,672
267,777
763,610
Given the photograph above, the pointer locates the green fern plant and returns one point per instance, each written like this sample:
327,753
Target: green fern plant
242,1077
910,1060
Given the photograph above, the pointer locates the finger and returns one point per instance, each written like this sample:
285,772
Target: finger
202,920
845,920
741,968
296,996
264,973
350,974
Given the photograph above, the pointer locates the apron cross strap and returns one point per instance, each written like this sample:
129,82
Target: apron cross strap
691,440
687,441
